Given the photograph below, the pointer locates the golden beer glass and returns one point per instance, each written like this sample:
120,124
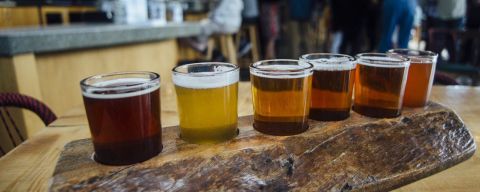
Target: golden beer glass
420,76
207,96
380,84
281,96
332,85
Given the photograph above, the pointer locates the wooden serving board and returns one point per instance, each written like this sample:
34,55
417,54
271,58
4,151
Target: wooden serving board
357,154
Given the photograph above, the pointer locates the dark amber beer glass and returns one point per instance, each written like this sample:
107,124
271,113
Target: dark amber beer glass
420,76
123,111
281,96
332,85
207,96
380,84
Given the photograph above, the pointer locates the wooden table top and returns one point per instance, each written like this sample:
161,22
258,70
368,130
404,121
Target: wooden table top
30,166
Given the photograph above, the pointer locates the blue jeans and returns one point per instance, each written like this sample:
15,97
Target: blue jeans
396,13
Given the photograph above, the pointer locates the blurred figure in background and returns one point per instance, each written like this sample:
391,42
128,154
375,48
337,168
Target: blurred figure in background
250,11
395,13
270,24
348,17
250,16
372,21
447,15
337,24
354,25
354,21
226,18
473,15
301,16
472,24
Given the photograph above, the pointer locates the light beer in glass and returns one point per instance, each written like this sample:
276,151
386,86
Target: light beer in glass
207,96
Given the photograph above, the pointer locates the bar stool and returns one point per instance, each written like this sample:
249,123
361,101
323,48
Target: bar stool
228,48
252,34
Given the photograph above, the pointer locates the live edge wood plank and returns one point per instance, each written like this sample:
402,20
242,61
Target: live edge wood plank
30,166
358,154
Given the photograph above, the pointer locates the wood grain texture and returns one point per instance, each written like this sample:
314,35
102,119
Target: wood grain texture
19,17
358,154
30,166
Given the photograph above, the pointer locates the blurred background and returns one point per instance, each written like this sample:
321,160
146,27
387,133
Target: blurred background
284,28
48,46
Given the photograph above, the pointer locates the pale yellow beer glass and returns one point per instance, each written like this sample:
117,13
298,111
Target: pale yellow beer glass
207,97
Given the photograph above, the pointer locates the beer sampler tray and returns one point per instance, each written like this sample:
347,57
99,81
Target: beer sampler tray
357,154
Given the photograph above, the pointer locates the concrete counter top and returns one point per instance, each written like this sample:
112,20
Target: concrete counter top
61,38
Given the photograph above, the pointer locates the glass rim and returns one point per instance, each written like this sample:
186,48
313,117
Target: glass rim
376,59
152,78
234,68
428,54
350,58
255,65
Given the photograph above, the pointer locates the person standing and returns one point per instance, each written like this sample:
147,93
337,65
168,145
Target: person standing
225,18
270,23
399,13
447,15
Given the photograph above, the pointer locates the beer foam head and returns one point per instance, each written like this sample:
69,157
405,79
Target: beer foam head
416,56
281,69
329,61
205,75
383,60
120,88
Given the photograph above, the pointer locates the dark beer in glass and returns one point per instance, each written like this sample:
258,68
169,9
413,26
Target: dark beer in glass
123,111
332,85
281,96
380,84
420,76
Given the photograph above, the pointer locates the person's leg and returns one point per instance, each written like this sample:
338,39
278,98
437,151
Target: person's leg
270,28
337,38
344,44
406,24
451,45
389,22
371,27
270,50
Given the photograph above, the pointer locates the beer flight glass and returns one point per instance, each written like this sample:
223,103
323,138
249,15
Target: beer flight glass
281,96
379,84
420,76
332,85
207,96
123,111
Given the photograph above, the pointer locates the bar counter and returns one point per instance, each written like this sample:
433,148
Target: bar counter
45,62
30,166
82,36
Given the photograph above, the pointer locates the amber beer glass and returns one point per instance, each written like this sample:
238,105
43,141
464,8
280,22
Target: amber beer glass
332,85
123,111
281,96
420,76
207,96
379,84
